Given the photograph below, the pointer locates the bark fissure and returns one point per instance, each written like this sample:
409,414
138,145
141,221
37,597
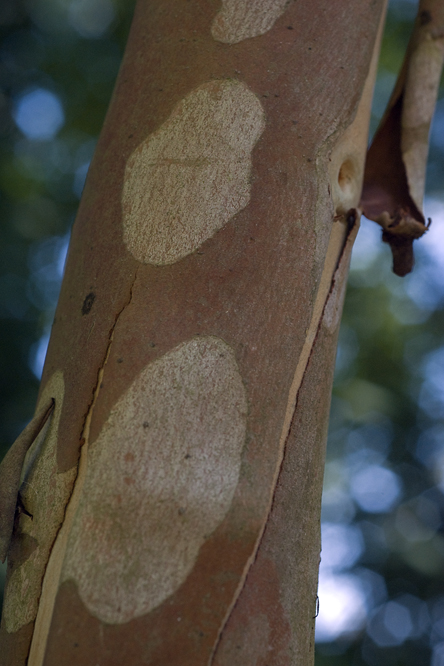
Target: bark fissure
352,221
272,301
96,388
53,568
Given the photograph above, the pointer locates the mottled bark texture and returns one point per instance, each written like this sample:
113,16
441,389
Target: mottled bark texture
396,164
11,475
176,495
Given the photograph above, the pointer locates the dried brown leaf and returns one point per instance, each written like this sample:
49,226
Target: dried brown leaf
394,179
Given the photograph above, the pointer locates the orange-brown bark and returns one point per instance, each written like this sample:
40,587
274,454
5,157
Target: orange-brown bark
159,337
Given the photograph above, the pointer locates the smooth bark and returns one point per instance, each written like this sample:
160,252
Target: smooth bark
176,498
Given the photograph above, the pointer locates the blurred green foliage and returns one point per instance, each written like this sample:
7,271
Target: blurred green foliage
387,414
41,47
72,49
388,404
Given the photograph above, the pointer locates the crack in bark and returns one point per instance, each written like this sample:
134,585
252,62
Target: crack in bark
351,218
96,388
36,652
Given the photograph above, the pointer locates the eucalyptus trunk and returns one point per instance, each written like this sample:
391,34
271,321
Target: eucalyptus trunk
169,507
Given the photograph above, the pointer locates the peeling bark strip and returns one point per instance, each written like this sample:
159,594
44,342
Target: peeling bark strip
197,379
261,621
394,179
55,558
44,492
11,473
327,309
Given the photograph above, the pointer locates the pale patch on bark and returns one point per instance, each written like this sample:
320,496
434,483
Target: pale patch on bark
160,479
45,493
242,19
11,474
192,175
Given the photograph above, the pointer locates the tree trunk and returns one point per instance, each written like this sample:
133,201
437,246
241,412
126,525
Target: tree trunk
175,490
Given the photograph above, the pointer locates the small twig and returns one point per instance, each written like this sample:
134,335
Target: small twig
10,473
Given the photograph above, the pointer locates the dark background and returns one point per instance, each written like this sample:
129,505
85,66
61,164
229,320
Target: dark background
382,573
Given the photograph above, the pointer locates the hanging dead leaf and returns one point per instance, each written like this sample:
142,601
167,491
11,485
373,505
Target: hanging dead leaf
394,178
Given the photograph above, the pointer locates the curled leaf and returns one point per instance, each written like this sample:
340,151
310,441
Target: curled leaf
394,178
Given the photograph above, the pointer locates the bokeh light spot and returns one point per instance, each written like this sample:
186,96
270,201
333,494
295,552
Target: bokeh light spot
390,625
375,488
342,606
438,655
91,18
342,545
39,114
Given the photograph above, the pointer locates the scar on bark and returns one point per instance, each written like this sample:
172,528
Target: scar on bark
394,178
11,504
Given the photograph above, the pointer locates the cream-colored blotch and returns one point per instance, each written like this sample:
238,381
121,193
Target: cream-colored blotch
45,493
241,19
161,477
192,175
